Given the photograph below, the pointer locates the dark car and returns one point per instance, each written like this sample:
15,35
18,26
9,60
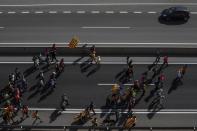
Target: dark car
175,13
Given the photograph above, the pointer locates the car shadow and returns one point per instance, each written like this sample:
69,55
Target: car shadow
172,22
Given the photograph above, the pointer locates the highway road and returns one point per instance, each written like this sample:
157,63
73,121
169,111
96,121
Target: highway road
90,24
180,105
16,2
84,86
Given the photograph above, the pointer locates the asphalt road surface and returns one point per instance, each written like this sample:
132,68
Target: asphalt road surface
128,23
16,2
94,28
82,89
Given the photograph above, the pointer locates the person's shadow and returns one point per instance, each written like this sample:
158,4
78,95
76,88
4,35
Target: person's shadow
154,108
174,85
56,113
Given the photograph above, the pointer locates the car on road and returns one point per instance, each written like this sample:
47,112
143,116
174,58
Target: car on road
175,14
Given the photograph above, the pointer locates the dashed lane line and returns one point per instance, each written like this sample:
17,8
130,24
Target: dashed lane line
193,12
67,12
39,12
152,12
52,12
95,12
81,12
25,12
137,12
11,12
104,27
109,12
123,12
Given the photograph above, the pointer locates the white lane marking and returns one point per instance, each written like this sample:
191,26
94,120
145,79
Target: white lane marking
81,12
109,12
193,44
137,12
100,4
11,12
89,27
104,62
25,12
123,12
152,12
116,45
111,84
1,12
39,12
95,12
193,12
2,27
135,111
52,12
66,12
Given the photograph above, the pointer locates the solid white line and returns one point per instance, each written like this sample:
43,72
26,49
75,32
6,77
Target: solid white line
25,12
135,111
95,12
193,12
103,4
137,12
103,43
39,12
152,12
2,27
11,12
80,12
109,12
89,27
1,12
117,45
105,62
111,84
66,12
123,12
52,12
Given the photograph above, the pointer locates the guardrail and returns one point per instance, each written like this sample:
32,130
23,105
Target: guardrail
89,128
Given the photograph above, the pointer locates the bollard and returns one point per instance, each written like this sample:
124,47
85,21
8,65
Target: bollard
151,128
21,127
194,128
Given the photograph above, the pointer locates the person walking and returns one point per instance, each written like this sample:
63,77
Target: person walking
91,107
184,69
179,76
64,101
25,112
160,96
17,73
165,61
94,122
36,116
129,62
53,53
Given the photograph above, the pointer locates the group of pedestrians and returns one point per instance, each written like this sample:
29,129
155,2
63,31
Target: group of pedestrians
154,76
49,59
11,95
